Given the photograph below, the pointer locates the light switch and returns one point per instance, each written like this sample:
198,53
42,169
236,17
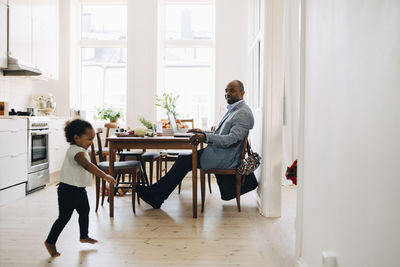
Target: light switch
329,259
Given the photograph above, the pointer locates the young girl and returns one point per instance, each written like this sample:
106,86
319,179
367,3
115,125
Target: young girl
76,174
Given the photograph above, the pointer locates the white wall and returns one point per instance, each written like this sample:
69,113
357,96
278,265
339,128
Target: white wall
351,199
16,91
142,60
230,48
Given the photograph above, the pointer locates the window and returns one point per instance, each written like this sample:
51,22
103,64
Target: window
186,66
101,52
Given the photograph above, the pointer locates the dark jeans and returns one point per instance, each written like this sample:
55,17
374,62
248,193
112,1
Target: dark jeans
70,198
175,175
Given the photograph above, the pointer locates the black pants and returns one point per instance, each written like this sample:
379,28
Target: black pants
183,164
70,198
175,175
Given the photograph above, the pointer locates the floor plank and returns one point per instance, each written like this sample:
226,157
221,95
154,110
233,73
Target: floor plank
167,237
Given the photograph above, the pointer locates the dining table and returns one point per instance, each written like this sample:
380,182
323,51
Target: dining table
117,143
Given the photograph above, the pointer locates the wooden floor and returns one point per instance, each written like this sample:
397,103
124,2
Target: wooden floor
169,236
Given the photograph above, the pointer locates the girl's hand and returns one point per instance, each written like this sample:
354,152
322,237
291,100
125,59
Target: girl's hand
110,179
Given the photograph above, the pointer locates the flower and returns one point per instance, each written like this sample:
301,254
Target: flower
107,113
168,102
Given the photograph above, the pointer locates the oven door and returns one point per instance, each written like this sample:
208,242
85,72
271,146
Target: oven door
38,150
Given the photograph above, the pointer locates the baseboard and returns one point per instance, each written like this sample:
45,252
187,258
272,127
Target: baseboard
301,263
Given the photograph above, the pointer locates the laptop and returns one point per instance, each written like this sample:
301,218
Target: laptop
174,126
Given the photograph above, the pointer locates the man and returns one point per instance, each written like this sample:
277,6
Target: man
223,149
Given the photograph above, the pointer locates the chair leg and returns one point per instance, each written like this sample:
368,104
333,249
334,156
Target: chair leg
151,163
179,187
138,182
134,174
165,165
203,188
158,172
103,191
209,182
238,186
97,192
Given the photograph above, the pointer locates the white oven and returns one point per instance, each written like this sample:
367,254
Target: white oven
38,153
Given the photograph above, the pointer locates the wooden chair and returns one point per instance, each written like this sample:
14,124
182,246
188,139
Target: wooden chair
133,168
109,125
104,149
147,157
172,156
226,172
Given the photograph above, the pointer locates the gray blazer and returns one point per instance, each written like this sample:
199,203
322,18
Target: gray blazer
234,128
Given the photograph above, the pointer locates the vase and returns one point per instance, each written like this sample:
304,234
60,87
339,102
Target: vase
114,120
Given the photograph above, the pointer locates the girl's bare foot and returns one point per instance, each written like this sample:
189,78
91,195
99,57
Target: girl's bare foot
88,240
51,249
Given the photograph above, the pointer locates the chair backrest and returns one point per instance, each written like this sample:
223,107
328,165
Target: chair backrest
110,125
189,120
244,148
93,154
100,148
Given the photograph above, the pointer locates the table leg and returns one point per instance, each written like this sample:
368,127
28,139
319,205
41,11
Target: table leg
111,172
194,180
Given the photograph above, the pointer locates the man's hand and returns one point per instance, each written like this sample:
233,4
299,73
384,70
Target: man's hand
195,130
197,138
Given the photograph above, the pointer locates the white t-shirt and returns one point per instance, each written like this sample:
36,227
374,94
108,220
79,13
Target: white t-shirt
72,172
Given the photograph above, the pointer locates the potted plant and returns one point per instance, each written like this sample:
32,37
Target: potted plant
168,102
108,113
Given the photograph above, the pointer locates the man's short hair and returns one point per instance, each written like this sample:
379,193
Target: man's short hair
241,87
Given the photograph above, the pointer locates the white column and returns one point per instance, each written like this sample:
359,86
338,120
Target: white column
270,182
142,60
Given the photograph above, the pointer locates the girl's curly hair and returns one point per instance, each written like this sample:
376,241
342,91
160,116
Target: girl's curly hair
75,127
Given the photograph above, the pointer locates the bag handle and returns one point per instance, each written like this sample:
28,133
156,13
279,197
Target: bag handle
249,150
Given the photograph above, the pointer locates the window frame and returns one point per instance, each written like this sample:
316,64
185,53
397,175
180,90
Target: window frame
164,44
77,44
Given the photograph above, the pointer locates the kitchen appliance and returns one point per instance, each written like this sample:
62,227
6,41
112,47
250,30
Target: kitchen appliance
45,103
38,153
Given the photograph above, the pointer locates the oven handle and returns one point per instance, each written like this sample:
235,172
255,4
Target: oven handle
40,132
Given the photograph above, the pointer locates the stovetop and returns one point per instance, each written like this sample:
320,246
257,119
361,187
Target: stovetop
19,113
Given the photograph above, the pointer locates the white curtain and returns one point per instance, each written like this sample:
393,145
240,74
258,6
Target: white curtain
291,85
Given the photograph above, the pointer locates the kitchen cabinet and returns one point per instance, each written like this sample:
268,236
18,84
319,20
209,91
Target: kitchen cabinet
13,159
57,144
3,35
20,30
33,34
45,36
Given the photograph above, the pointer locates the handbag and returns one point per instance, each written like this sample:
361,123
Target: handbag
250,163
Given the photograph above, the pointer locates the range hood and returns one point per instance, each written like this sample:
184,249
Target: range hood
20,68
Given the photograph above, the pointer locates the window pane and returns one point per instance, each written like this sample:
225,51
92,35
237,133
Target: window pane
195,89
188,56
188,22
103,78
103,22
